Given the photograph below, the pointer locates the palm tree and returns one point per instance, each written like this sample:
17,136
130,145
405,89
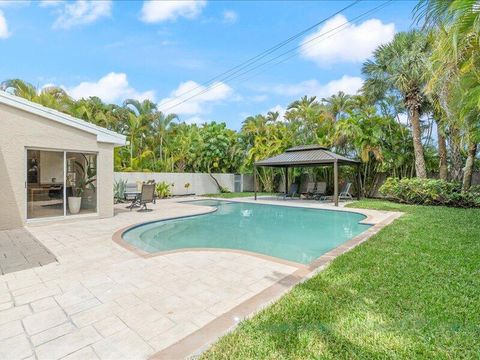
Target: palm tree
49,96
136,127
160,126
400,66
338,104
456,67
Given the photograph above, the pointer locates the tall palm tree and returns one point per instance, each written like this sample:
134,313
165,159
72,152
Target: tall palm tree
160,126
400,66
456,66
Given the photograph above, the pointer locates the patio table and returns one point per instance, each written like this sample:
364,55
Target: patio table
133,195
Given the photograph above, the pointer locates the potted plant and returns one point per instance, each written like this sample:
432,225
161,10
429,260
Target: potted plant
187,186
75,202
86,177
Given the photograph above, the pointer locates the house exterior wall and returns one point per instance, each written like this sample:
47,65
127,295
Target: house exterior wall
20,130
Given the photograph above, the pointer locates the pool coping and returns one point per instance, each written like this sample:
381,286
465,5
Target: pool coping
194,344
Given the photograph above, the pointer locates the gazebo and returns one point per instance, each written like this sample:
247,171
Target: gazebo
306,156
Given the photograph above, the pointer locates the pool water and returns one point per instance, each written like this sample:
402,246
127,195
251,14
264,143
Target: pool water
291,233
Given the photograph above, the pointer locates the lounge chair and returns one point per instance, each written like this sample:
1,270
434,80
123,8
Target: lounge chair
345,192
320,190
146,196
291,193
309,190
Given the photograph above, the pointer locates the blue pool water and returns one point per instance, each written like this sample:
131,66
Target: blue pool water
291,233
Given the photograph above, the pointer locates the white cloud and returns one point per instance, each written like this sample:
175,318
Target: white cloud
50,3
80,12
112,87
202,98
347,84
230,17
4,33
354,43
14,3
158,11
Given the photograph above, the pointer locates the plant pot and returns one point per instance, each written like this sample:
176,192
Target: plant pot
74,204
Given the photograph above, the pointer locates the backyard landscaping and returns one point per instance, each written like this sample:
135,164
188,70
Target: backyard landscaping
411,291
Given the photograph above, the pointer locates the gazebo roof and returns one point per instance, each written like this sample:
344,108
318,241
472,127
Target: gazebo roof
306,155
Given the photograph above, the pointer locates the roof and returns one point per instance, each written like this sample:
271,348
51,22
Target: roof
306,155
103,135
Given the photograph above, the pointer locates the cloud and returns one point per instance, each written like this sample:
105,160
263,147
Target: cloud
354,43
50,3
204,98
111,88
4,33
159,11
230,17
347,84
80,12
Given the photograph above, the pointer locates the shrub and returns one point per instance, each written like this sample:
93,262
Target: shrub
163,190
430,192
119,188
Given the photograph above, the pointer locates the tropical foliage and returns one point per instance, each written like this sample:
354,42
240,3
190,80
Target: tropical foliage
416,115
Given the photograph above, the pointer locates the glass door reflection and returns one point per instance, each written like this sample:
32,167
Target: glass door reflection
45,186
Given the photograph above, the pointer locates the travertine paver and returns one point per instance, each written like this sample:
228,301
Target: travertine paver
101,300
19,250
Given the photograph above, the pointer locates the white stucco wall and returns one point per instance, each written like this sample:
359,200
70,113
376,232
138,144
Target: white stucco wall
20,130
200,183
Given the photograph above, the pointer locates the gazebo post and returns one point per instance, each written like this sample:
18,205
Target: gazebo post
359,181
255,181
335,182
286,180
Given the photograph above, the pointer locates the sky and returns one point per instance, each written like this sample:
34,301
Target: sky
168,51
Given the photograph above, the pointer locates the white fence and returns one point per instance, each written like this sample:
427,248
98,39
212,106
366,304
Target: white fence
200,183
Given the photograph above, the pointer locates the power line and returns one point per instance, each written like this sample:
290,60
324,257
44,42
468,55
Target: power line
262,55
339,28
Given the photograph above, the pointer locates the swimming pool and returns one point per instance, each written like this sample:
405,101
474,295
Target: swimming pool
291,233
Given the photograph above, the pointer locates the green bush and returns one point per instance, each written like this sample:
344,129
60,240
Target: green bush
430,192
163,190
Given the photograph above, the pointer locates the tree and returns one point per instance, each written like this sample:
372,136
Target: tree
400,66
456,67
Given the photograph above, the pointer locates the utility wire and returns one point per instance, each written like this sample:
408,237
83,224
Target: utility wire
340,28
262,55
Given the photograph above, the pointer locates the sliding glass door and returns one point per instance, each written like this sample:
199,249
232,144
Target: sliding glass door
60,183
45,184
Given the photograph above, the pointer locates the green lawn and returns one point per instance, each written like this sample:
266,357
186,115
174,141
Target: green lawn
237,194
411,291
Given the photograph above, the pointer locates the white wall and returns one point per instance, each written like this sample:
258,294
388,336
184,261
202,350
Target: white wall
200,183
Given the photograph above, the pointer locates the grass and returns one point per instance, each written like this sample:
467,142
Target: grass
236,195
412,291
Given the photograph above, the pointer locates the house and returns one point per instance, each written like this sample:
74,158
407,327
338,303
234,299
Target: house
52,165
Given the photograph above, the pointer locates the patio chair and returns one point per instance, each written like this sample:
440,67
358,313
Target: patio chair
345,192
146,196
320,190
291,193
309,190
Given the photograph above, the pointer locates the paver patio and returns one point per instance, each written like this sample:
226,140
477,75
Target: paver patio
102,300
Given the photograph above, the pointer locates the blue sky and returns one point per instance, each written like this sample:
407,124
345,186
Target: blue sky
161,50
